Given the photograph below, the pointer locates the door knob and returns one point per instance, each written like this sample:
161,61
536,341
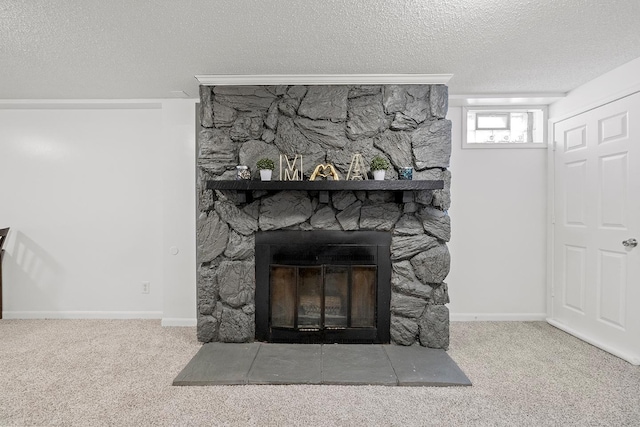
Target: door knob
630,243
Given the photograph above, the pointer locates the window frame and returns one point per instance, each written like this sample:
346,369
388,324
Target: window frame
504,109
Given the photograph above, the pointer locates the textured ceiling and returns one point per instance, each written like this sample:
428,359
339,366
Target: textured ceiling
148,48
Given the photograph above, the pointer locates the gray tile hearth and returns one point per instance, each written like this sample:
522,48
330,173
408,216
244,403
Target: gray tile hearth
356,364
337,364
287,364
417,366
219,363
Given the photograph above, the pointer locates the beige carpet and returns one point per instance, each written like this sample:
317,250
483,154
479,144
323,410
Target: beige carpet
110,372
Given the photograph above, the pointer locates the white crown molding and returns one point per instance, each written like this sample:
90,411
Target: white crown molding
488,99
80,104
321,79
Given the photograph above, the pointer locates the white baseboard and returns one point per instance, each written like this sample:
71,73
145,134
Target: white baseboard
634,359
179,321
498,317
81,314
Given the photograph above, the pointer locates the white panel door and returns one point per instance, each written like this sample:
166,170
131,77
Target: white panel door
596,268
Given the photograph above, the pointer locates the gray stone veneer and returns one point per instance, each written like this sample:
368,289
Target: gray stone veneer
326,124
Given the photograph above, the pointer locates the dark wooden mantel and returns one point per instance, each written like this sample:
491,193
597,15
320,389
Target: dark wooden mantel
366,185
324,186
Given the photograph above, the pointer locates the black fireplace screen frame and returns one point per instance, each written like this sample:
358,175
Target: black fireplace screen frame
355,248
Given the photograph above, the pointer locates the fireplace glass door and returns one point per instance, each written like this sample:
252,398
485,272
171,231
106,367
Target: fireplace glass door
323,286
322,297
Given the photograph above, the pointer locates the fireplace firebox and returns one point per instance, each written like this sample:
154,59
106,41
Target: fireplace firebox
323,286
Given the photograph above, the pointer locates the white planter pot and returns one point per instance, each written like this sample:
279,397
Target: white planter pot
378,175
265,174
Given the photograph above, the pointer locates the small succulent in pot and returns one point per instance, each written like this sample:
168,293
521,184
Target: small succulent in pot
264,164
378,167
379,163
266,167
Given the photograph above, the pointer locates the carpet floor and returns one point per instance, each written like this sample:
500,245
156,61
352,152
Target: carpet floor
119,372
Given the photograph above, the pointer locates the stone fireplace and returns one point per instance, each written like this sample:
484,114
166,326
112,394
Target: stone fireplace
325,124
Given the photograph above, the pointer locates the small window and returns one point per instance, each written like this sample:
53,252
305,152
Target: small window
491,127
493,121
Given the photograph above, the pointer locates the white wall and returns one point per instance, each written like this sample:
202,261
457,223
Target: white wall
92,202
179,214
498,213
98,194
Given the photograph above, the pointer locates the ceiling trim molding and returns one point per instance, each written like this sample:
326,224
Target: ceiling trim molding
320,79
546,98
81,104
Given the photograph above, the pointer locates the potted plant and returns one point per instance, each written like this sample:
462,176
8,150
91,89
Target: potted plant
379,165
266,167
